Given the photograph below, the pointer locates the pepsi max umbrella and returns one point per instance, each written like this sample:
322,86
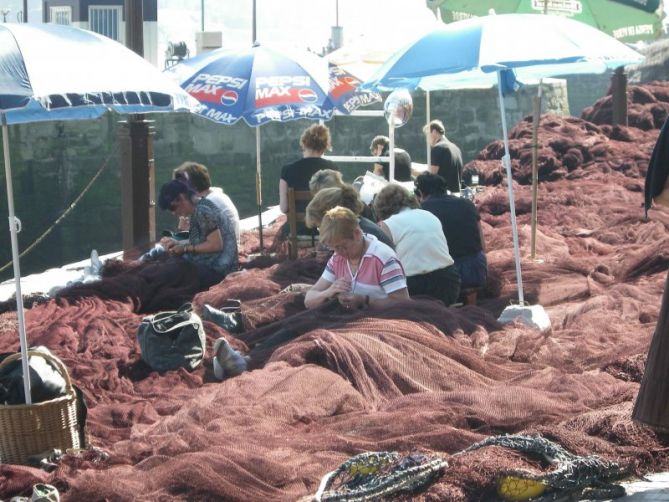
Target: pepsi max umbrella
54,72
263,84
529,45
345,93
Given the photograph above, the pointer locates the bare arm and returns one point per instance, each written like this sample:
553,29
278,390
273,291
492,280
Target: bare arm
359,301
387,231
481,236
212,244
323,290
663,198
283,196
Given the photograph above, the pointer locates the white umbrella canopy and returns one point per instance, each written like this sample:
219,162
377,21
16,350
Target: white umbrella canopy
526,45
54,72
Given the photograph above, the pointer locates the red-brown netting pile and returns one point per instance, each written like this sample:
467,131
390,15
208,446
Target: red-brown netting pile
326,385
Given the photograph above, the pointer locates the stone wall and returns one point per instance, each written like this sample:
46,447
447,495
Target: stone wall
53,162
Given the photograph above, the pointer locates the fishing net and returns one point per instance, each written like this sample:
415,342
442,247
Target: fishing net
416,378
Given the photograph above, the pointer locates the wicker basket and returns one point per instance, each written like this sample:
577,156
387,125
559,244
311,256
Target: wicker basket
27,430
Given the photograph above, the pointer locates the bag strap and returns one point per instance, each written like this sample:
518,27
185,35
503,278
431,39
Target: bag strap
187,322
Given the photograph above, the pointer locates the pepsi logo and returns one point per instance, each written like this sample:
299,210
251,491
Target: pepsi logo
307,95
229,97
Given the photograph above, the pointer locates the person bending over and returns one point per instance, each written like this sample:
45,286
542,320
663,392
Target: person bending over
212,245
325,178
420,244
362,271
198,177
460,222
344,196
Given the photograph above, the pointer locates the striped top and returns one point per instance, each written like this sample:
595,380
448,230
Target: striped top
379,274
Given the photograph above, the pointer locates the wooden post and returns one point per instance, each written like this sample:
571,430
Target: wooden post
138,193
619,96
536,116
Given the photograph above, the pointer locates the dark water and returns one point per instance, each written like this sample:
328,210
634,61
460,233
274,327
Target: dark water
53,162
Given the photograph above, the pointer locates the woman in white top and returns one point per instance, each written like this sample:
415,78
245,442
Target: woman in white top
420,244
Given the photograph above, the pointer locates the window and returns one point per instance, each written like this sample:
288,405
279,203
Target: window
60,15
106,21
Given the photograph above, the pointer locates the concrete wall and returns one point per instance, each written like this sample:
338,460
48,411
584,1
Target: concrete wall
53,162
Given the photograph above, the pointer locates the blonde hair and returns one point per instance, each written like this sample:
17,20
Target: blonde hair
344,196
316,138
392,199
338,223
325,178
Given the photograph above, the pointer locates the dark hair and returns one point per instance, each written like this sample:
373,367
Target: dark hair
392,199
435,125
380,140
171,190
430,184
195,174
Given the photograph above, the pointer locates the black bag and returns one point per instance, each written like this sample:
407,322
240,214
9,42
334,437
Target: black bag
171,340
46,382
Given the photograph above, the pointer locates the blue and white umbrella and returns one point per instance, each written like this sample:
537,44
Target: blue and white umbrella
263,84
526,46
259,84
54,72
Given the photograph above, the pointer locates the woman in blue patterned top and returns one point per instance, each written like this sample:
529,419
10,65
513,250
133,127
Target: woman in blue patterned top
212,244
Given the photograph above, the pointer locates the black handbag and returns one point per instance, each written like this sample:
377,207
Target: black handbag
171,340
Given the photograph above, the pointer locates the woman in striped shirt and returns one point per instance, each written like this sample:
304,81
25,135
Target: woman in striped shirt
362,270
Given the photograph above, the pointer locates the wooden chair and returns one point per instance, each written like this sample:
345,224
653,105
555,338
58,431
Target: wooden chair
295,217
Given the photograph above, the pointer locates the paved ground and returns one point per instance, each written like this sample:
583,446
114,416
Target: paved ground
654,488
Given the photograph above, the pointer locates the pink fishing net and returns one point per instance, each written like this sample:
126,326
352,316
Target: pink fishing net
327,384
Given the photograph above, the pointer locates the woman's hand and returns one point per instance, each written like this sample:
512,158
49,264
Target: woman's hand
352,301
340,286
168,243
178,249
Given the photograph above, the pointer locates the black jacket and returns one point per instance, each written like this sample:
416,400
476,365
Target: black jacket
658,167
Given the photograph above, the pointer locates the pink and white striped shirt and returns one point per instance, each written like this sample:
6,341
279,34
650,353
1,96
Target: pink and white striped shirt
379,274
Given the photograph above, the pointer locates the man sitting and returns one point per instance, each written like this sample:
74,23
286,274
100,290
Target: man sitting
460,221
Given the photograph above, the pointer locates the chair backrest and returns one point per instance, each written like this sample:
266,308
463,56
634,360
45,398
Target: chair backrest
295,217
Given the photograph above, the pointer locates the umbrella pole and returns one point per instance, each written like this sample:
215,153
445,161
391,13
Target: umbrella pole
391,151
14,228
506,160
259,187
427,123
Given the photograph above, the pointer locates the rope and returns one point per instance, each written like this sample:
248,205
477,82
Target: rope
65,213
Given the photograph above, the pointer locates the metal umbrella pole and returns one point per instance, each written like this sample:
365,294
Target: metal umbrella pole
391,151
14,229
259,188
506,160
427,123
